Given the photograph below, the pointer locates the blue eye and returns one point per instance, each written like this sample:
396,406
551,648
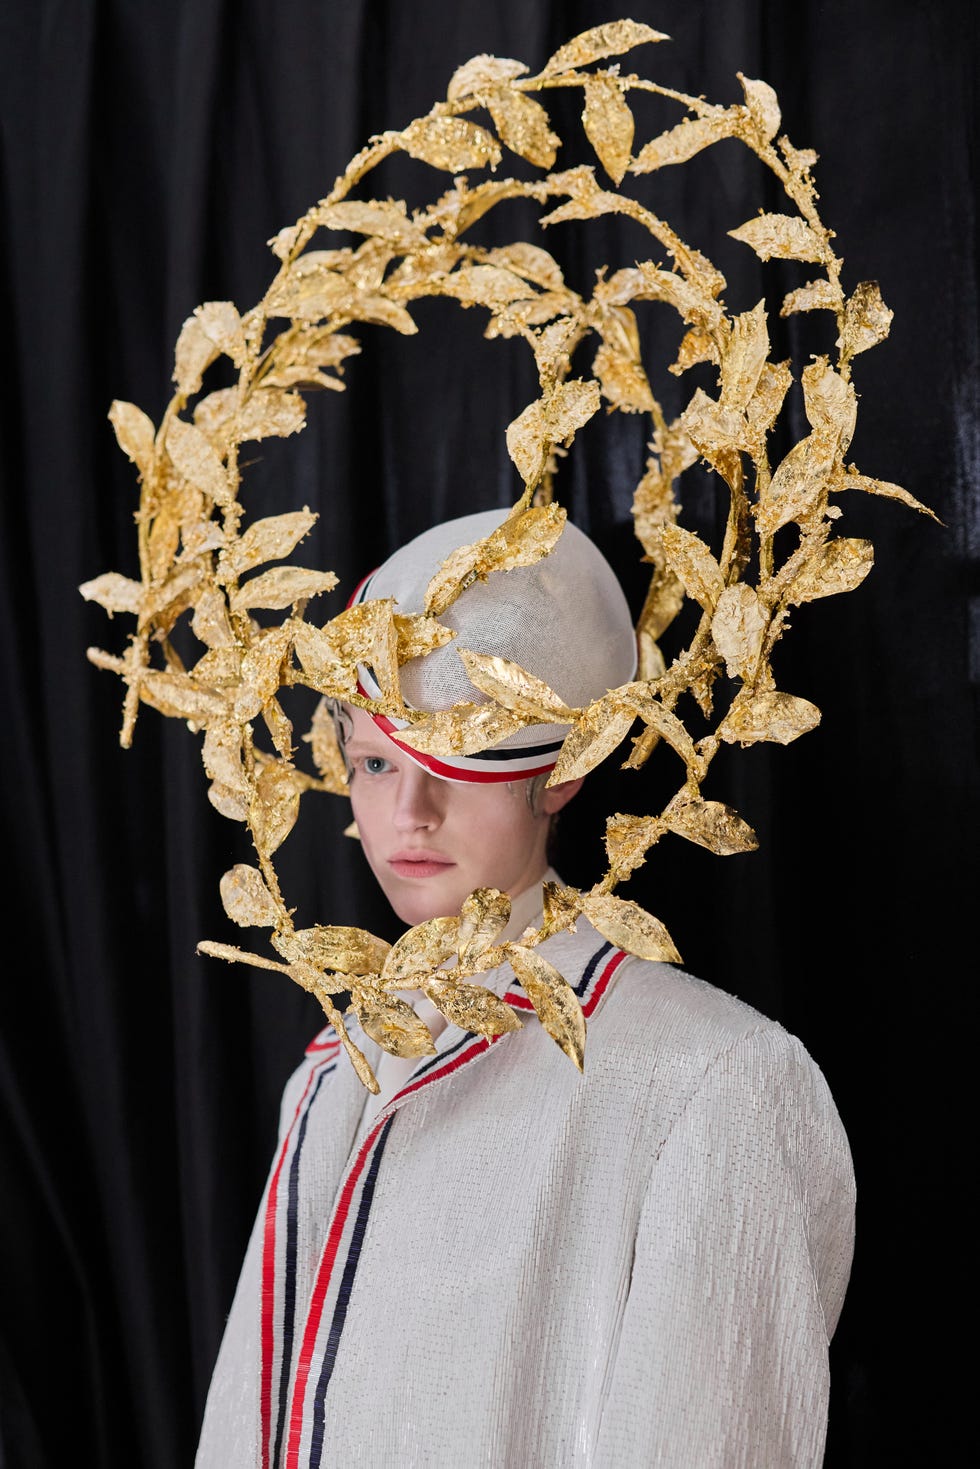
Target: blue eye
375,764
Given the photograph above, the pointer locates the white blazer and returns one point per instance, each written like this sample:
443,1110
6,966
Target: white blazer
518,1266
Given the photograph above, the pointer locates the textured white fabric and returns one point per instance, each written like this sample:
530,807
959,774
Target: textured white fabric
638,1266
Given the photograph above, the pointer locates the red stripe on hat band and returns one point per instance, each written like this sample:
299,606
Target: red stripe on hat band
460,772
457,772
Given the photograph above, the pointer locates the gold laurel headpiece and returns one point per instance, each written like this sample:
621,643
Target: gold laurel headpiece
200,558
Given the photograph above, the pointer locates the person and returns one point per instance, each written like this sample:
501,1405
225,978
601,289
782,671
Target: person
500,1260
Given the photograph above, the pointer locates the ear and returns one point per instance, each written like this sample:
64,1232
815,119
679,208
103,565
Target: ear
553,798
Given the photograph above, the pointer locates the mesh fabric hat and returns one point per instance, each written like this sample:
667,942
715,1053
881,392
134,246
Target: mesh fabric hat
565,619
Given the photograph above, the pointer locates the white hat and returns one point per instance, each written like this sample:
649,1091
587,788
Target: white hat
565,619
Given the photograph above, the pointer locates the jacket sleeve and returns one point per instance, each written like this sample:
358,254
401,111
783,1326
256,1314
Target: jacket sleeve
742,1256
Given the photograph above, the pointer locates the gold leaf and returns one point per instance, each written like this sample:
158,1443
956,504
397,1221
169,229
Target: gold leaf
798,482
196,460
210,622
393,1024
366,633
514,319
683,141
608,122
341,949
114,592
322,660
283,242
523,125
465,729
222,325
560,905
176,695
650,661
763,107
233,955
798,160
519,540
555,1002
246,898
855,481
767,400
526,537
419,633
744,357
268,412
630,927
420,950
716,431
281,587
387,221
308,977
193,354
738,627
785,236
830,401
771,715
482,919
312,288
867,320
274,807
471,1007
451,143
552,345
357,1058
515,688
691,295
611,39
481,72
818,295
163,539
840,566
711,824
548,421
383,310
279,726
623,381
222,757
690,559
663,720
600,729
318,346
628,838
261,671
269,539
219,668
327,757
134,432
164,603
529,261
696,346
486,285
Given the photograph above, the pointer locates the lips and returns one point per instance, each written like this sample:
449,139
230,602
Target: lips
419,864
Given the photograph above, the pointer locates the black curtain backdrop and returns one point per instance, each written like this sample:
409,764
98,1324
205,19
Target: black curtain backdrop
149,152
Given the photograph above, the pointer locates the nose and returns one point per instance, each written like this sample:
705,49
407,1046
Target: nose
418,805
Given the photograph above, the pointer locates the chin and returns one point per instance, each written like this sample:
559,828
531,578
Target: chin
418,905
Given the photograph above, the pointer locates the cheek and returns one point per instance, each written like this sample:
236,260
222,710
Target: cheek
365,813
502,827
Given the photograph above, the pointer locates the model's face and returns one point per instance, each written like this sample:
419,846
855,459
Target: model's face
431,842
